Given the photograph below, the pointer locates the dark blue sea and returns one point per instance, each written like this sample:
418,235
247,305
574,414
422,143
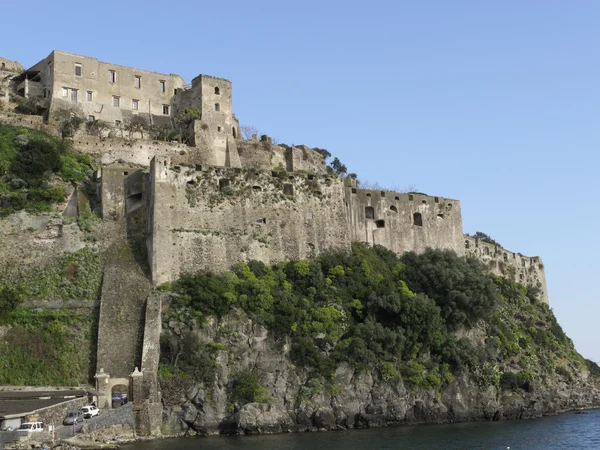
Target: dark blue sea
566,431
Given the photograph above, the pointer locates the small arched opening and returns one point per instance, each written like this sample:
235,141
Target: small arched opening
467,244
256,188
217,91
217,107
224,183
234,132
119,395
369,212
288,189
418,219
393,209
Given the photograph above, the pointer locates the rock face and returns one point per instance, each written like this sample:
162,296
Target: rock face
352,399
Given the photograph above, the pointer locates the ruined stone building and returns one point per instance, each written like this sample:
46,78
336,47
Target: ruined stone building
224,199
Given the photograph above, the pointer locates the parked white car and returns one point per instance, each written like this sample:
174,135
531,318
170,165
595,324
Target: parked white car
31,427
90,411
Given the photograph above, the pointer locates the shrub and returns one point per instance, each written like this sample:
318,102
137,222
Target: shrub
246,388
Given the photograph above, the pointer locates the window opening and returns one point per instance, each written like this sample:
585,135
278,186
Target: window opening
396,198
436,199
223,183
217,107
354,190
368,194
234,132
369,212
217,90
288,189
116,100
393,208
410,197
78,69
256,188
263,220
112,76
383,193
117,123
134,104
74,95
166,110
137,82
91,118
418,219
309,215
162,85
89,96
440,216
380,223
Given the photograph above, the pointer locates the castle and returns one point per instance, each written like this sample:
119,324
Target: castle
223,199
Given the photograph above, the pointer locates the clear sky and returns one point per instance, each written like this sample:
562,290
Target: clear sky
495,103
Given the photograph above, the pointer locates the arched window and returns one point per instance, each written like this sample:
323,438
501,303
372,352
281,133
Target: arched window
217,107
393,208
418,219
234,132
467,244
369,212
217,92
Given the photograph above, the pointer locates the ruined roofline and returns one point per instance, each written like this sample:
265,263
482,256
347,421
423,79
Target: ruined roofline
417,196
198,78
499,248
104,62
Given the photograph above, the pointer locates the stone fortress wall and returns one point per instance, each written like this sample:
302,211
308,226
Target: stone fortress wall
222,199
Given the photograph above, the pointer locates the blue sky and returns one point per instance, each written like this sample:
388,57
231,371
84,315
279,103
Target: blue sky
494,103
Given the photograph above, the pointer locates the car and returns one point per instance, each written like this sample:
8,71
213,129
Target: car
31,427
73,418
90,411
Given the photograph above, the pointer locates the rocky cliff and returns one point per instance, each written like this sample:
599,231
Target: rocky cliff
298,401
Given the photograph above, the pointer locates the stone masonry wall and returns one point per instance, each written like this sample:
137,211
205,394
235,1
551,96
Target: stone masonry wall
211,219
528,271
404,222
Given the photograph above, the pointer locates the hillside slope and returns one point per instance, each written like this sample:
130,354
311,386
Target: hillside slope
364,339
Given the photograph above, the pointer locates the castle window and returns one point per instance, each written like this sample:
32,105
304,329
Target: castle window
309,215
440,216
383,193
393,208
487,250
163,87
219,129
112,76
74,95
396,198
505,257
380,223
354,190
410,197
217,107
65,92
288,189
217,92
418,219
310,176
89,96
78,69
91,118
137,82
117,123
256,188
223,183
424,202
234,132
135,104
467,245
261,220
125,173
116,100
368,194
436,199
166,110
369,212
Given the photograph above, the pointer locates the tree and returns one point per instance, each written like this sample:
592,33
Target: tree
136,124
324,153
338,167
96,127
248,131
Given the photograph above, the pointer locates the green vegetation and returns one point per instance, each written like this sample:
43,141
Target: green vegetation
400,316
32,164
46,348
485,238
355,307
76,276
246,388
